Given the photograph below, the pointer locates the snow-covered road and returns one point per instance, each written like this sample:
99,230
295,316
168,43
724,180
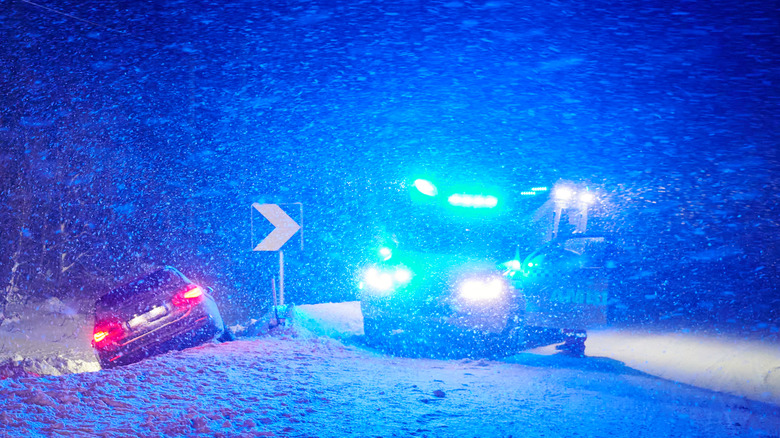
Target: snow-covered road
297,382
310,386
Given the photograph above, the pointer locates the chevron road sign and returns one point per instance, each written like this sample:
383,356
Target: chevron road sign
285,227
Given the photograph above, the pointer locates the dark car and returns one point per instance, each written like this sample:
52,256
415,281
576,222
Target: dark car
159,312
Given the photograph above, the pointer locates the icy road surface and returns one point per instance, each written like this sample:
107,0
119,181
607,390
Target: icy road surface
291,385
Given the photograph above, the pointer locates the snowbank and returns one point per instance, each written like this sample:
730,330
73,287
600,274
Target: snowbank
46,338
295,380
334,320
724,363
298,386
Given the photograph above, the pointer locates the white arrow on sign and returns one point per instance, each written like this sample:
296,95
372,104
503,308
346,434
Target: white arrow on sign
285,227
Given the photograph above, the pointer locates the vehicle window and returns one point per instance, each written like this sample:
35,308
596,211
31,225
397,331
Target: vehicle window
592,250
158,282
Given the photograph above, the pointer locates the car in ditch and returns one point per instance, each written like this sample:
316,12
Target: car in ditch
159,312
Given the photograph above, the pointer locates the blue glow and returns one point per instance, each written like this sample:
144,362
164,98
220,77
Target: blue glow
386,253
425,187
473,201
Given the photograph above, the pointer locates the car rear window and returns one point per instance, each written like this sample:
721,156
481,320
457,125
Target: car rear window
161,282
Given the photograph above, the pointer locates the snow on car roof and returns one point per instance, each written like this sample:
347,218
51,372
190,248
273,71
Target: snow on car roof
167,277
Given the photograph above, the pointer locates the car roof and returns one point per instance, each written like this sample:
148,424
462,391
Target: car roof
151,281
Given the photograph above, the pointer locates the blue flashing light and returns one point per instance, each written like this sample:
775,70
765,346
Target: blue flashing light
473,201
425,187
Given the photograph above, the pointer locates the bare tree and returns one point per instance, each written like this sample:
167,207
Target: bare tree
17,219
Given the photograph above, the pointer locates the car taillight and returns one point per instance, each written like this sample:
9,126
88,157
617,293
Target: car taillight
107,331
193,294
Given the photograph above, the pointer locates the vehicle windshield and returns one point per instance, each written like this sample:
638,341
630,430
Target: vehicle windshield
438,226
433,233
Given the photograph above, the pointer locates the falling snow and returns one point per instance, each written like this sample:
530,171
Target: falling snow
139,134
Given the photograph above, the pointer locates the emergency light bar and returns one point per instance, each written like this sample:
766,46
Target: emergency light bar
473,201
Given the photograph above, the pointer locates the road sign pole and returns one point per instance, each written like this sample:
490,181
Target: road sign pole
281,278
273,291
284,228
275,321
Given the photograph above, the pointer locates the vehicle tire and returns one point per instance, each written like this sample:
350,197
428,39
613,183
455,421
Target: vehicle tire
227,335
574,343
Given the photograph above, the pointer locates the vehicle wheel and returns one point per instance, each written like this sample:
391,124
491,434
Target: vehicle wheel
574,343
227,335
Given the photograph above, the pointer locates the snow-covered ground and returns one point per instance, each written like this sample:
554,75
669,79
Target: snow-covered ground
46,338
721,362
315,378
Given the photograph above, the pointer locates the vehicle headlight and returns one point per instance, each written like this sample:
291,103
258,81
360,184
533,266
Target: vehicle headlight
402,275
482,289
384,280
378,280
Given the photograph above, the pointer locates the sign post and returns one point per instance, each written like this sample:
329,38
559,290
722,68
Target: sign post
284,228
281,278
